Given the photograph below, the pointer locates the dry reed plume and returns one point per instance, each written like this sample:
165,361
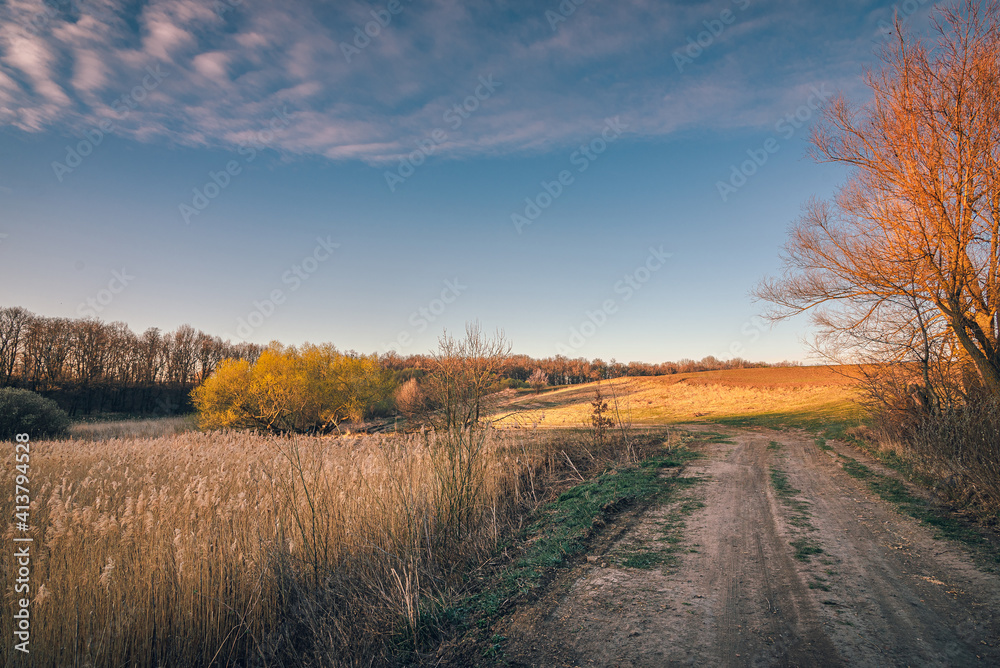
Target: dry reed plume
230,548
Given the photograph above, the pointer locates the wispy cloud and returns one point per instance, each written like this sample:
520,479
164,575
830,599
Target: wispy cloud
63,69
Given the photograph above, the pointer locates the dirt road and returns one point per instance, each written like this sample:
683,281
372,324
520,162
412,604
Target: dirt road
882,591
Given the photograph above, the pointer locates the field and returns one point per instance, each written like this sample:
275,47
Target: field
795,395
229,548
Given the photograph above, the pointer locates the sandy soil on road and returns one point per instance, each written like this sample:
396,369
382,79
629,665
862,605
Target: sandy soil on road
883,592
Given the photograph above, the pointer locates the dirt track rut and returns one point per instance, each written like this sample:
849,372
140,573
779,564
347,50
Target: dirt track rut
882,592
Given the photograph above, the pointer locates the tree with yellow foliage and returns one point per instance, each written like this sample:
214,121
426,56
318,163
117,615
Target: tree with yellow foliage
293,390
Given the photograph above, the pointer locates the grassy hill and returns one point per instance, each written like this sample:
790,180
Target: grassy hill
806,396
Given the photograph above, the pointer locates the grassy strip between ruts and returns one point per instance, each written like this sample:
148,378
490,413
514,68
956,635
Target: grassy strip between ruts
561,532
945,524
804,546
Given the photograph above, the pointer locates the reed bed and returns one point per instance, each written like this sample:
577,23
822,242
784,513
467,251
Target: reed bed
138,428
237,549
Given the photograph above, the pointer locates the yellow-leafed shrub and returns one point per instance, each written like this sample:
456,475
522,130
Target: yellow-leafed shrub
293,390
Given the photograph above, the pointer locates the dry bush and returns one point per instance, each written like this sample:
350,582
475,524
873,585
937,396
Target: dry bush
230,548
959,448
537,380
410,399
464,375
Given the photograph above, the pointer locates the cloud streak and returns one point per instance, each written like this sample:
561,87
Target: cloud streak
61,70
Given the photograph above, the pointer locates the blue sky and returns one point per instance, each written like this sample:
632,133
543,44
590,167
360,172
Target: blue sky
368,173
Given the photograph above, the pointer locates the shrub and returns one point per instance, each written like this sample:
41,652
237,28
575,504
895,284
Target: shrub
463,375
293,390
410,399
961,448
26,412
511,384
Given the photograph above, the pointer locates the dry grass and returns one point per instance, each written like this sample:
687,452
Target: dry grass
237,549
958,449
819,392
140,428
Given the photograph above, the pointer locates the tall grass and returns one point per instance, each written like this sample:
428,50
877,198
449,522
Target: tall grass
238,549
958,449
136,428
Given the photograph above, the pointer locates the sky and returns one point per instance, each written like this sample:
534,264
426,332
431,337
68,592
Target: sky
598,179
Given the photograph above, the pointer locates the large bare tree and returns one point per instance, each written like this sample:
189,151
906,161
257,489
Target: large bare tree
908,252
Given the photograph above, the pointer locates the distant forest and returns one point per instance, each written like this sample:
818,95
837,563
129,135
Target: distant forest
89,366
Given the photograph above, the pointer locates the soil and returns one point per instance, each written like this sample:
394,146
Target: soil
883,591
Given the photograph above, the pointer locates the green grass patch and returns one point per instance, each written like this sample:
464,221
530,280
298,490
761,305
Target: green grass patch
805,548
782,487
822,445
712,437
818,584
663,552
774,446
645,559
895,492
829,422
563,527
787,495
832,420
800,516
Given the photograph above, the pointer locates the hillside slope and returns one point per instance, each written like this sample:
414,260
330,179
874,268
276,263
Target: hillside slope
790,394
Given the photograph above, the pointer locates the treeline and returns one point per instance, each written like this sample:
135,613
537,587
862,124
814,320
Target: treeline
566,371
89,366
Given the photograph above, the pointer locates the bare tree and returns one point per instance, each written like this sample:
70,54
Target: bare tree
908,253
538,379
183,354
89,351
464,372
13,322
